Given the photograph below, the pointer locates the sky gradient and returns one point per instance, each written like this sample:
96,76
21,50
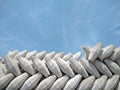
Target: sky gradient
58,25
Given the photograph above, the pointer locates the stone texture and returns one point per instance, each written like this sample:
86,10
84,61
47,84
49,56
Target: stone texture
5,80
107,51
116,54
78,67
99,69
90,68
100,83
73,83
87,83
112,82
46,83
41,67
102,68
65,67
53,66
77,56
112,66
12,66
16,83
60,83
26,65
31,82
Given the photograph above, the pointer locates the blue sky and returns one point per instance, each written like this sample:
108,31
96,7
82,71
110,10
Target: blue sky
58,25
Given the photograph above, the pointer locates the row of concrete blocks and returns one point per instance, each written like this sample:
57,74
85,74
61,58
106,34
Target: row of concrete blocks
99,69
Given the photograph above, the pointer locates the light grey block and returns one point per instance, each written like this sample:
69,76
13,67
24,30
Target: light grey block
95,52
46,83
26,65
118,86
62,72
87,83
116,54
41,67
5,80
78,67
112,66
31,63
77,56
22,53
67,56
53,67
1,72
86,49
61,54
90,67
30,55
51,54
65,67
106,52
16,83
12,53
4,68
73,83
112,83
100,83
12,66
102,68
41,55
31,82
60,83
118,61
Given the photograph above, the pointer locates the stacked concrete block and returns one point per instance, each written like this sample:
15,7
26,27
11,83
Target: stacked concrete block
98,69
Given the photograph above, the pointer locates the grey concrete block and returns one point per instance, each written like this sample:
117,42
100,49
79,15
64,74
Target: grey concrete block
26,65
90,67
87,83
16,83
53,67
5,80
100,83
102,68
60,83
46,83
65,67
31,82
112,83
78,67
73,83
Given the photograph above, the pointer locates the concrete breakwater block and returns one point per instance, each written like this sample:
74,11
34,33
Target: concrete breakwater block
98,69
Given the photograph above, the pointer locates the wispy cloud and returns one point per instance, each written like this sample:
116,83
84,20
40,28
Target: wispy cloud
117,32
114,27
94,37
9,37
